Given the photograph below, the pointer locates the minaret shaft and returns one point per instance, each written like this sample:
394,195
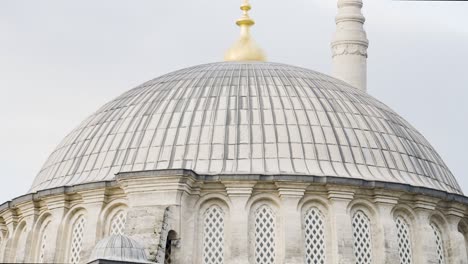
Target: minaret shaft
349,45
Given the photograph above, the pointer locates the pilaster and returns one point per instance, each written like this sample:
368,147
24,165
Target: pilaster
57,206
290,195
28,212
239,193
11,221
389,252
93,201
425,249
341,227
456,246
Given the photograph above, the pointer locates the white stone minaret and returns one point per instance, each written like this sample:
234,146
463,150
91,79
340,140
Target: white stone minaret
349,46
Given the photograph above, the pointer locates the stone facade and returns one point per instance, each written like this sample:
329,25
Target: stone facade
177,212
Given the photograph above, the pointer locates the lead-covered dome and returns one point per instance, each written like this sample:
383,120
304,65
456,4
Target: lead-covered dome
118,248
247,118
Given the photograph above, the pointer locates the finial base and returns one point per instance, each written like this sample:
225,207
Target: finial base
245,49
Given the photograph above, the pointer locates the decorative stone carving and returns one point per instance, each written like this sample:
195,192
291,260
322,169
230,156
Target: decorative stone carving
349,49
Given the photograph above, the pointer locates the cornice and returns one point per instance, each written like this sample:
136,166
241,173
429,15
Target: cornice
333,184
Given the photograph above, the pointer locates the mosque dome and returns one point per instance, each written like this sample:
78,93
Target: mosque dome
244,161
119,248
242,118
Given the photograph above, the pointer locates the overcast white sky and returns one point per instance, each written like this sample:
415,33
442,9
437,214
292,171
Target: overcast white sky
61,60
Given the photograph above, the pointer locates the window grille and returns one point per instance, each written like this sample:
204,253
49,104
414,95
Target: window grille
77,239
43,245
265,235
314,230
439,243
118,221
404,241
213,235
362,238
168,252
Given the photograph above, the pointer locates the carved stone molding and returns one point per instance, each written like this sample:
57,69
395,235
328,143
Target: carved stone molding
349,49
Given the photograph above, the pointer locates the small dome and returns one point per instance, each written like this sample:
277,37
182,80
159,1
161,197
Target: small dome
119,248
235,118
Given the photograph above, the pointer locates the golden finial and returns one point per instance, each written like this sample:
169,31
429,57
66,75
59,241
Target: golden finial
245,49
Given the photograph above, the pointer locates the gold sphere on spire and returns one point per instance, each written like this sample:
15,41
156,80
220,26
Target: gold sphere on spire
245,48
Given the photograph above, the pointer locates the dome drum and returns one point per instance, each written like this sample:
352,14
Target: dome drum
175,213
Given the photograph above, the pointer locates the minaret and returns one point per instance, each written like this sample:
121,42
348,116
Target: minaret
349,46
245,49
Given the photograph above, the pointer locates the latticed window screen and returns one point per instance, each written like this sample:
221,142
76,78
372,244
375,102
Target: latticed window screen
213,235
439,243
77,239
168,252
43,245
117,224
314,230
362,238
404,240
265,235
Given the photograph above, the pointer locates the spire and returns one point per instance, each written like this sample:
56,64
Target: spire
245,48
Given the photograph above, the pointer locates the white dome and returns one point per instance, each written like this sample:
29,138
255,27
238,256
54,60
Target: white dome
247,118
119,248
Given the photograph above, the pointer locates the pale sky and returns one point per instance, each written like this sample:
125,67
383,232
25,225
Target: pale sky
61,60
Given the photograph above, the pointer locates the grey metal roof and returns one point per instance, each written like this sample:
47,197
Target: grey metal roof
247,118
120,248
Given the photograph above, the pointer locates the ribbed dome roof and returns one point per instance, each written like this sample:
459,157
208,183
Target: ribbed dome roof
247,118
119,248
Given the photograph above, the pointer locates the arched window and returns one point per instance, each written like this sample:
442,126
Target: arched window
314,231
404,240
439,243
213,235
117,223
76,241
362,238
43,243
265,235
171,237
